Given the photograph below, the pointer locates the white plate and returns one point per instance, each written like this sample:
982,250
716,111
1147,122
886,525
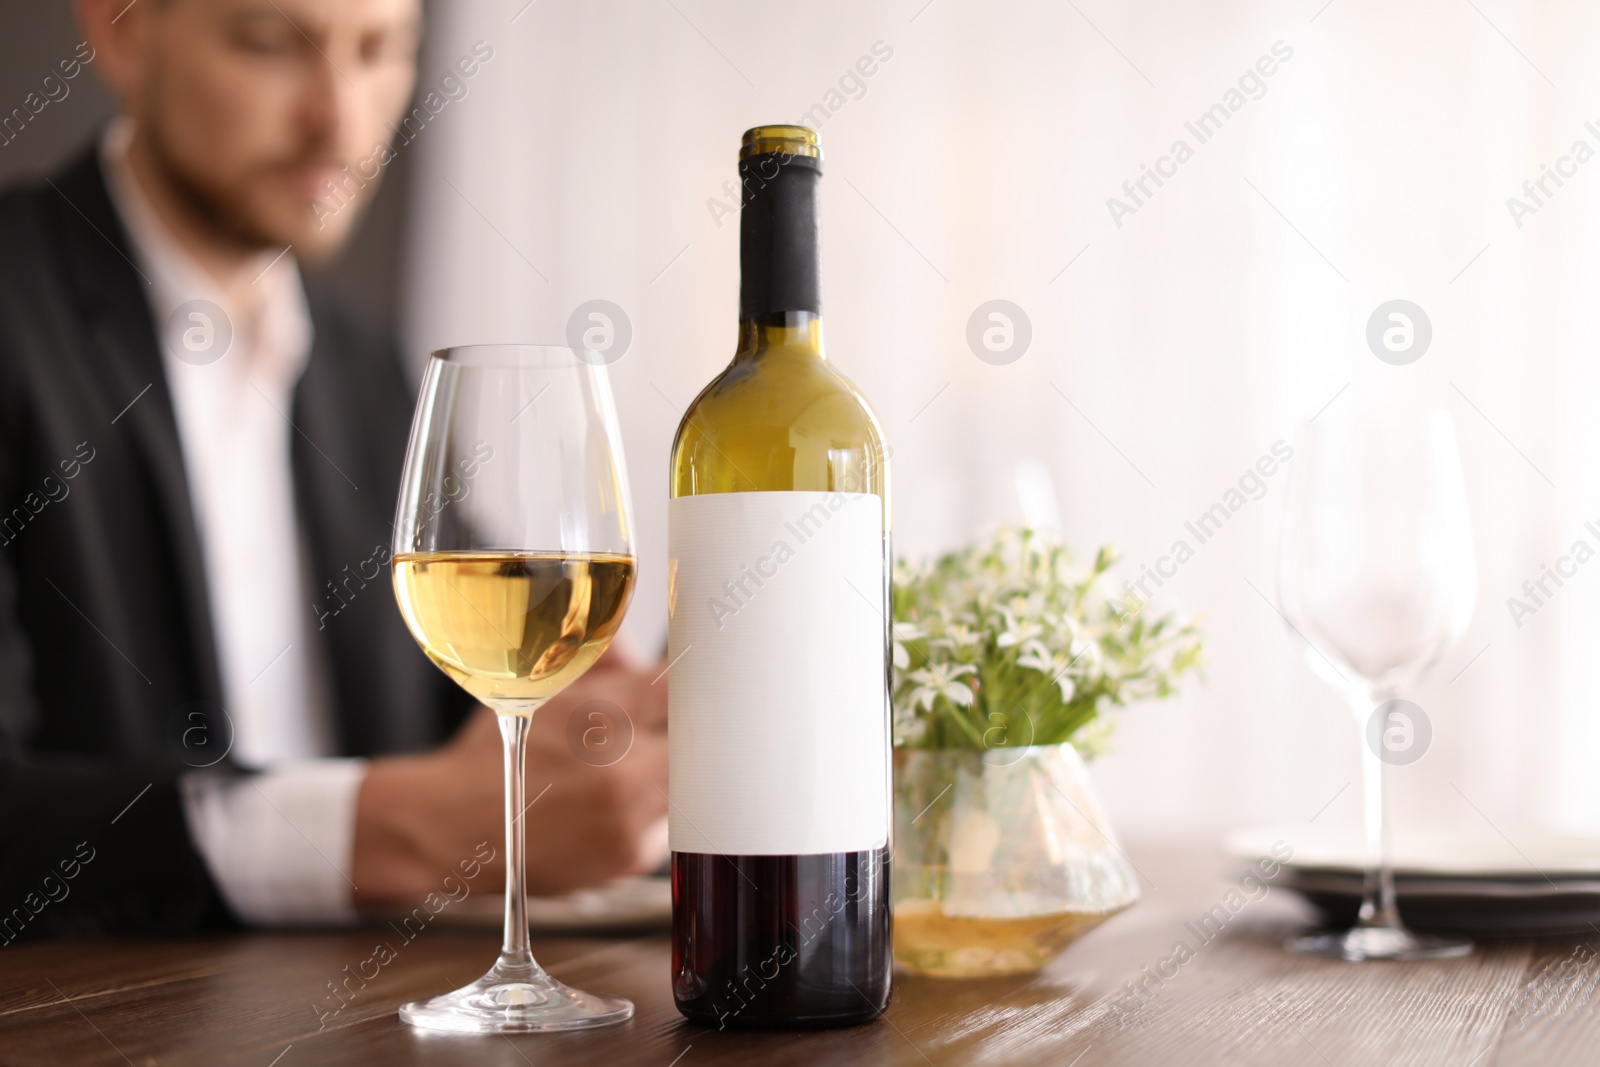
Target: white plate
1448,852
627,904
1461,880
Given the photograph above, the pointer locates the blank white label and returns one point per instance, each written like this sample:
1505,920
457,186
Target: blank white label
778,699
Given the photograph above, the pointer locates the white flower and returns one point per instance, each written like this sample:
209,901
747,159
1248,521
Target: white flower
958,635
904,632
932,683
1056,665
907,631
1018,631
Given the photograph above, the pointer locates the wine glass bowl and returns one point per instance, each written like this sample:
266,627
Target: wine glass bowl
513,567
1377,573
1377,567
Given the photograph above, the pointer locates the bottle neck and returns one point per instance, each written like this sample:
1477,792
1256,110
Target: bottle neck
793,332
780,291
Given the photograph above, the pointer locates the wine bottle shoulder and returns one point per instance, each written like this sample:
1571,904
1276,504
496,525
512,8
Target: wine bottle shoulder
781,422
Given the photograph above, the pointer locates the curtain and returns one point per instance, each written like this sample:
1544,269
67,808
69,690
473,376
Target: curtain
1186,308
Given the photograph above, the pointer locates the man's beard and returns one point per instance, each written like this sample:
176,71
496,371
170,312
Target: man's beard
223,215
224,218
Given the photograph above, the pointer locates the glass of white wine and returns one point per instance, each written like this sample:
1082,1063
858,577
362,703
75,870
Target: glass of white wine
513,566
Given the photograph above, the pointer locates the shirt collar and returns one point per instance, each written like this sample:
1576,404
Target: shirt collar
280,345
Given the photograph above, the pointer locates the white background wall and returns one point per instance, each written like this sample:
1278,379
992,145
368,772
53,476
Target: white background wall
1231,306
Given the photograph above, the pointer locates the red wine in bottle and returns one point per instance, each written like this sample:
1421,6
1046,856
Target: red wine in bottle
778,549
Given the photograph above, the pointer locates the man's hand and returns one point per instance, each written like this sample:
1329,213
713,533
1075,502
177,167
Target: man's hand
588,818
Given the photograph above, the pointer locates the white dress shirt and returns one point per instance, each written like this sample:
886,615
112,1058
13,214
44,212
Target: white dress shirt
278,843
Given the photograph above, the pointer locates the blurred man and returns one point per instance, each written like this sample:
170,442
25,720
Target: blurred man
203,676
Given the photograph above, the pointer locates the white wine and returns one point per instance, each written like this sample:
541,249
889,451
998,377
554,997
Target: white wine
929,941
513,628
778,700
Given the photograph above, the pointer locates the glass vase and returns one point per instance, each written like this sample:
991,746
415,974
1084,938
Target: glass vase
1002,859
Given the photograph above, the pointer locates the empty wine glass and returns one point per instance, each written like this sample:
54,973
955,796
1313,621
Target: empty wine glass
513,566
1377,574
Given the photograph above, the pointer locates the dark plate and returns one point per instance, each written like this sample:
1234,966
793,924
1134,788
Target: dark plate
1477,907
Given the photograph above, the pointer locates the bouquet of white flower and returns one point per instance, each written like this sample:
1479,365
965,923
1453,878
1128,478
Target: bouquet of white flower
1011,643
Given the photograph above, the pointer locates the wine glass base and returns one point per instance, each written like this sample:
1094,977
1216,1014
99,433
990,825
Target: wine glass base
525,1003
1379,943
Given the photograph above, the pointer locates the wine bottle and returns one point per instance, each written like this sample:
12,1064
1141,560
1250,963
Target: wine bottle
778,549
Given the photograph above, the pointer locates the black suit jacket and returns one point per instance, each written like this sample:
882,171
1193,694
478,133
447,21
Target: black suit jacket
109,684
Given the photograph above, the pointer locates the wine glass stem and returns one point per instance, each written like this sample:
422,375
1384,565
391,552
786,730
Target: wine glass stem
1377,898
514,952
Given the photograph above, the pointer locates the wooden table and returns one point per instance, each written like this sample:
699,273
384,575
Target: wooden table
252,999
